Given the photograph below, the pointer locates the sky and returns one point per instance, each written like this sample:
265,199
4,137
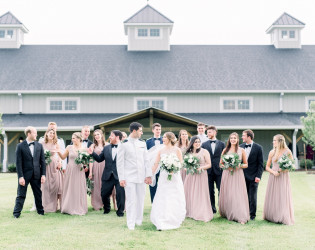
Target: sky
195,21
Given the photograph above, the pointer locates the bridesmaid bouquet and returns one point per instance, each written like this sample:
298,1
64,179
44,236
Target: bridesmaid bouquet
170,164
47,154
83,158
89,186
231,161
285,163
191,164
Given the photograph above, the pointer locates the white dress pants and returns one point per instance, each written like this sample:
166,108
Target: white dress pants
135,193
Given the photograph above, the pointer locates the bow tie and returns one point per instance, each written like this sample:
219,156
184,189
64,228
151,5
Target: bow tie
85,140
31,143
248,145
114,146
212,141
156,138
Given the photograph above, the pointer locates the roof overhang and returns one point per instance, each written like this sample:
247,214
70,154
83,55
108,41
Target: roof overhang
272,27
20,26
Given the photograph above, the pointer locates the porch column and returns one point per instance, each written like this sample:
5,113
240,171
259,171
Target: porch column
294,148
5,151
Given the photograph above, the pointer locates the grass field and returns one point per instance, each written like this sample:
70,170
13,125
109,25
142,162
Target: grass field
98,231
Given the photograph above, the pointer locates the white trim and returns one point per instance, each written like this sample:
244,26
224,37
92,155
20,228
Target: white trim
307,99
20,103
154,91
150,99
272,27
62,99
236,98
43,129
20,26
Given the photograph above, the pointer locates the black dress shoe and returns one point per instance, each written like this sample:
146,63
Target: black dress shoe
41,214
252,218
16,216
120,215
106,212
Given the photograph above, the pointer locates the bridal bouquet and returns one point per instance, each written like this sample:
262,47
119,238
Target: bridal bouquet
231,161
89,186
170,164
285,163
47,154
191,164
83,158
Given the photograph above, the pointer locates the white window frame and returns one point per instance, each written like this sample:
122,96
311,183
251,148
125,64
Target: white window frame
236,98
307,99
149,33
288,35
63,99
6,37
150,99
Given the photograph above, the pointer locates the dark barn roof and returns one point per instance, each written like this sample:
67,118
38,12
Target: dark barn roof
185,67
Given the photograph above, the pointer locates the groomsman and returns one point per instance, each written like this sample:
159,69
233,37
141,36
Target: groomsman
134,172
155,141
253,173
201,128
215,148
110,176
86,143
31,169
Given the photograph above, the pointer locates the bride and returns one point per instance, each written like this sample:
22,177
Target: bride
169,206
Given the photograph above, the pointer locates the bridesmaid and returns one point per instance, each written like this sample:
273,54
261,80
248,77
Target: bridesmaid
74,198
278,205
96,170
198,206
233,200
183,145
52,188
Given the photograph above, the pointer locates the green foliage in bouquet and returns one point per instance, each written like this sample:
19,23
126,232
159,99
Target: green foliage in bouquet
83,158
231,161
191,164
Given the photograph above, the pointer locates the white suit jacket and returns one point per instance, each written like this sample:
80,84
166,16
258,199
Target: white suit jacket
133,161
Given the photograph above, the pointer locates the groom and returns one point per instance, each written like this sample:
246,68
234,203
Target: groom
31,169
253,172
134,172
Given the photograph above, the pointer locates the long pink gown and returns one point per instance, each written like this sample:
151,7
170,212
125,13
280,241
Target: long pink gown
233,200
98,169
196,188
74,197
278,205
53,184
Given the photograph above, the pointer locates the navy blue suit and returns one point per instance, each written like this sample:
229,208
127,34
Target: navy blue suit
151,143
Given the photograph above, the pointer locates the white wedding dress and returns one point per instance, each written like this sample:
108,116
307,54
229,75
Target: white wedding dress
169,205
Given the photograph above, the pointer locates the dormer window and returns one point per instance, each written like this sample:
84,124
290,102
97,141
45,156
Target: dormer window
9,34
142,32
284,34
155,32
2,33
292,34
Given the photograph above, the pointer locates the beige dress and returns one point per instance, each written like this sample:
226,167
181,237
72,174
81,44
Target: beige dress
278,205
98,169
233,200
183,171
196,188
74,197
53,184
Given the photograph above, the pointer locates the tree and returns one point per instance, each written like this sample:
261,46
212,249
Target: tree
309,126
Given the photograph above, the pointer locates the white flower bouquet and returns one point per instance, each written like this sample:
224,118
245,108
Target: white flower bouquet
285,163
170,164
47,156
231,161
83,158
191,164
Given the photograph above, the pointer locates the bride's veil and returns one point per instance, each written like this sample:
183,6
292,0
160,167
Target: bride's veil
152,153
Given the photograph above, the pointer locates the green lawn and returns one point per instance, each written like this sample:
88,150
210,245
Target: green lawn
98,231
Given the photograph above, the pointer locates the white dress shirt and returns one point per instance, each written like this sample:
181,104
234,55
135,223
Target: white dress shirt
31,147
203,138
248,149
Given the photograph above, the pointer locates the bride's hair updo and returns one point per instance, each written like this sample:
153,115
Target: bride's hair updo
171,137
78,135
